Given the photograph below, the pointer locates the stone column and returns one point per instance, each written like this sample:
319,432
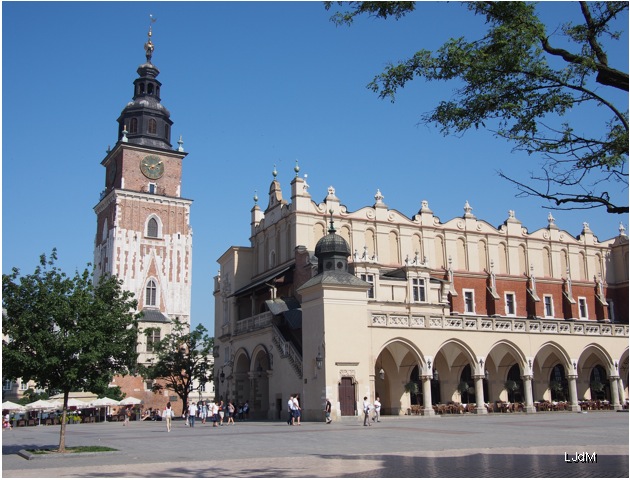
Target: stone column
480,409
622,392
427,407
529,403
614,390
573,400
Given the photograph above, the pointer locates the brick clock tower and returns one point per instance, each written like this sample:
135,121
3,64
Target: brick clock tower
143,235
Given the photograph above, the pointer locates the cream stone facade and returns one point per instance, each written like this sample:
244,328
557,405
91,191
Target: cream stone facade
458,308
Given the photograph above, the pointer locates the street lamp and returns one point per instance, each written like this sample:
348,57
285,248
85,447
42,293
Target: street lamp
319,360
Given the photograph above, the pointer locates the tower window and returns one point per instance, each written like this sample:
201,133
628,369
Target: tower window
153,337
167,132
150,89
152,228
152,126
151,294
133,125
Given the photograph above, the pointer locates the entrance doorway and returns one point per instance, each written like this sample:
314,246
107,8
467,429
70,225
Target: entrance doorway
347,397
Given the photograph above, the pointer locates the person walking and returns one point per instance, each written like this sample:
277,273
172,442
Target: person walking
230,410
290,408
297,410
167,415
366,412
327,411
215,413
127,416
377,410
192,413
203,411
221,413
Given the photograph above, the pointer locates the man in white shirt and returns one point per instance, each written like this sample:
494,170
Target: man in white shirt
366,412
192,413
290,408
377,409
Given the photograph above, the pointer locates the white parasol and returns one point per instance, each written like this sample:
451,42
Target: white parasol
12,406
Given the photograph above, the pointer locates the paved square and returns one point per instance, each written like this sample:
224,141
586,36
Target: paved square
495,445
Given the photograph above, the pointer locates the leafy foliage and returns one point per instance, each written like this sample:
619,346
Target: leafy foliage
521,84
181,357
66,333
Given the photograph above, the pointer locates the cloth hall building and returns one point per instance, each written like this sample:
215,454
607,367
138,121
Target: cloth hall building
335,304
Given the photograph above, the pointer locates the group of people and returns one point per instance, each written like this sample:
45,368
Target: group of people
371,411
218,412
294,410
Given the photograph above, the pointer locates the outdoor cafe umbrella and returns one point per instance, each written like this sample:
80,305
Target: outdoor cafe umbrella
104,403
130,401
41,405
12,406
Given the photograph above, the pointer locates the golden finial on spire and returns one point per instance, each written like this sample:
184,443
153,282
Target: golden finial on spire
149,47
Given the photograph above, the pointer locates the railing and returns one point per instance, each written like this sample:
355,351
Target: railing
487,324
288,351
257,322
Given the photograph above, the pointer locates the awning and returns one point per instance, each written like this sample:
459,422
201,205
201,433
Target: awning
263,280
154,316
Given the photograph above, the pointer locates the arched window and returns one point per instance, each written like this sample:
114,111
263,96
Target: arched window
167,132
440,260
152,228
133,125
150,89
152,126
150,299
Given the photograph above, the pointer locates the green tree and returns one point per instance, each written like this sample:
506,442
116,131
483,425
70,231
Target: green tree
531,85
31,396
181,357
66,333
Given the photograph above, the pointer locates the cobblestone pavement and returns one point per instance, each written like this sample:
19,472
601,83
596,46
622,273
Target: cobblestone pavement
503,445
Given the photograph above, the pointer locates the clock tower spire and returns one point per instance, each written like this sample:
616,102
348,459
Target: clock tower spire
145,120
143,234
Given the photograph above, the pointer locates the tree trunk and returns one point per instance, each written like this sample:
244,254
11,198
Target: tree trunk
62,433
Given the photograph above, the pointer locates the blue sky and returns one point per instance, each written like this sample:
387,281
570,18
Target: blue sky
248,85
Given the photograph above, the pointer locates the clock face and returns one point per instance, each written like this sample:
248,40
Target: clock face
152,167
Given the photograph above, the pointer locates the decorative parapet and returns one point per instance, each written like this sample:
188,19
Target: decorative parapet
489,324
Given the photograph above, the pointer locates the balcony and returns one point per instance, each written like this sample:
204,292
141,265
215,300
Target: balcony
251,324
